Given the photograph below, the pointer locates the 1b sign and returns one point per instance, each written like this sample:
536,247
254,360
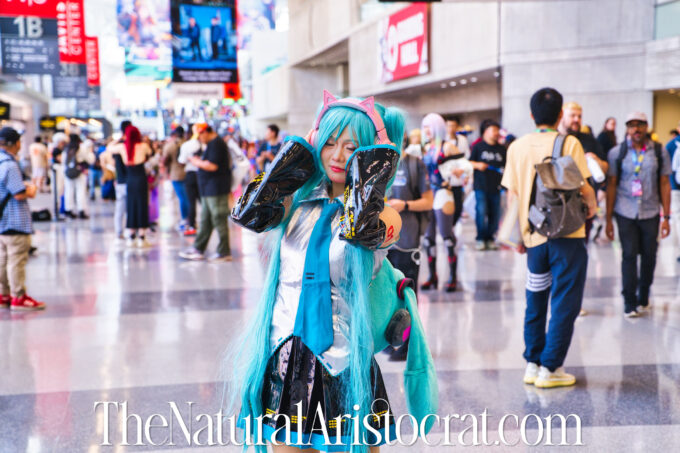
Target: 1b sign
403,39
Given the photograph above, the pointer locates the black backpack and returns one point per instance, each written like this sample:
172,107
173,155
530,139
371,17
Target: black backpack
556,208
623,152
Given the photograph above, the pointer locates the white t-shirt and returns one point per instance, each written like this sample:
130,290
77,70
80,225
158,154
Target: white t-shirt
186,151
39,155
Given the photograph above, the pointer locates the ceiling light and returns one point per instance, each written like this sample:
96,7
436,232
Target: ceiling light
463,81
496,74
453,83
443,85
473,79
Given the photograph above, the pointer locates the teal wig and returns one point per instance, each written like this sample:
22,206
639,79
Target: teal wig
246,361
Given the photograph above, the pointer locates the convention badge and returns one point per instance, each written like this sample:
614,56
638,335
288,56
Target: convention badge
637,188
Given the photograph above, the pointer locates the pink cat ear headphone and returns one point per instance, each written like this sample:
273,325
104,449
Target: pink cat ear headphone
366,106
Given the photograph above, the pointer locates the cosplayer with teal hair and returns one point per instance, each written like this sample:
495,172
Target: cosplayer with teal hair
442,218
310,345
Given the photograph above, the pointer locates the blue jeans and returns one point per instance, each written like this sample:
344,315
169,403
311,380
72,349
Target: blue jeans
558,269
487,214
95,176
181,192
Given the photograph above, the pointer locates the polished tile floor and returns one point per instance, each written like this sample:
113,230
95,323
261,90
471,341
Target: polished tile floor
149,329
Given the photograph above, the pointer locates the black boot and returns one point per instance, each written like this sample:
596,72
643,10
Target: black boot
368,173
260,208
82,215
433,281
452,284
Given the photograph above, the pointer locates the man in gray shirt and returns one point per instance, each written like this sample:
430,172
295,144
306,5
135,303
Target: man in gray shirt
638,186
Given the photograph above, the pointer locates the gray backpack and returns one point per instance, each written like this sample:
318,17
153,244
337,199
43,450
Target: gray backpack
556,208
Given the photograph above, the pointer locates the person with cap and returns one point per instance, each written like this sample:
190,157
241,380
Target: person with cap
15,226
488,159
214,182
176,173
638,186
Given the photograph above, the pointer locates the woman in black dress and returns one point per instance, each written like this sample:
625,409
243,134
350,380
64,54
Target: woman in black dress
135,155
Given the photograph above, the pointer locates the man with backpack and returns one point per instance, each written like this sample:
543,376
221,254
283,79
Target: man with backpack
552,199
638,186
411,196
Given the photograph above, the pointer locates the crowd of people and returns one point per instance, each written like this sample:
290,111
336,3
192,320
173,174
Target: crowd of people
441,178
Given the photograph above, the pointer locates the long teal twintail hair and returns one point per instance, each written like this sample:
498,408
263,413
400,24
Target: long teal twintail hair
245,362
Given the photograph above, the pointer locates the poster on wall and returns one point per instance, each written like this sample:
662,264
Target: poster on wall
144,32
403,41
204,41
29,45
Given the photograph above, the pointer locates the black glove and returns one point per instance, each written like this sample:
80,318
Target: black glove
260,208
368,173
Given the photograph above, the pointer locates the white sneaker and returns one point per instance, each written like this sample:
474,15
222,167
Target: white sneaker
642,309
557,378
191,254
480,246
129,242
531,373
631,314
142,243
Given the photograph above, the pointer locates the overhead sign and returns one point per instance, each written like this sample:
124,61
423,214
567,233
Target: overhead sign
92,61
204,41
71,31
71,82
28,45
93,101
403,40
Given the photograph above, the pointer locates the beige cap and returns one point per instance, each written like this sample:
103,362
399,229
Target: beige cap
636,116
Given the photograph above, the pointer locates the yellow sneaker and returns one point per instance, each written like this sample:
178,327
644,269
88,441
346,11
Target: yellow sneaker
531,373
557,378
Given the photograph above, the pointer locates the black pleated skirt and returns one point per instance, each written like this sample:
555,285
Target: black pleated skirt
137,197
296,382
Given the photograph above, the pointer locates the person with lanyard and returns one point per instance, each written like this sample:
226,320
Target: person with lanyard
15,226
638,186
556,267
437,149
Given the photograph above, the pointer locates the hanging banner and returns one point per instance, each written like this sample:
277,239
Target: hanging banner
92,61
71,31
403,40
29,45
71,82
35,8
144,32
204,41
